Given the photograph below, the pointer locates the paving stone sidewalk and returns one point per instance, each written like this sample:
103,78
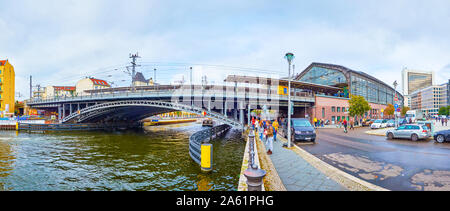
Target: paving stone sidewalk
297,174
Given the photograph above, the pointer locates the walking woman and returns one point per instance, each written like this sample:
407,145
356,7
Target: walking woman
269,139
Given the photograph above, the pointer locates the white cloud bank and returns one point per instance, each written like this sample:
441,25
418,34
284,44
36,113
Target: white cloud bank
59,42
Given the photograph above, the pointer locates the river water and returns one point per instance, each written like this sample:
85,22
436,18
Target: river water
156,158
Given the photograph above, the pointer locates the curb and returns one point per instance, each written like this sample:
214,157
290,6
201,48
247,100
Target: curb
272,180
374,134
348,181
242,179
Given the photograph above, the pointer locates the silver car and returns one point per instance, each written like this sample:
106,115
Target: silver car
410,131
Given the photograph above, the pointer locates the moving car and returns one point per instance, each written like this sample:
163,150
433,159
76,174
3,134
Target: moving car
409,131
301,130
379,123
441,136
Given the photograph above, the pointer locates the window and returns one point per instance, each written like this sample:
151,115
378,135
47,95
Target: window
301,123
323,112
333,118
343,109
338,118
324,76
333,109
338,109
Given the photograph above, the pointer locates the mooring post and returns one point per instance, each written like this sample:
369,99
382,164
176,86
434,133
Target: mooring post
253,174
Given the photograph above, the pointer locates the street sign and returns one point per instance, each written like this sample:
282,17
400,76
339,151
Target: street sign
396,106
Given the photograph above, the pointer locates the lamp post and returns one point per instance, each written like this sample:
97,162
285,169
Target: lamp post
289,57
192,89
395,102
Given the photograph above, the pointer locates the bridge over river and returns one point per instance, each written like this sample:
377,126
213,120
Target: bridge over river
225,104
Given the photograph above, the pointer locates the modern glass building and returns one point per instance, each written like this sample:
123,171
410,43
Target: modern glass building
413,80
351,82
430,99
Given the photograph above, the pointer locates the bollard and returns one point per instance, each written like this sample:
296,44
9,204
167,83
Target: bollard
17,125
206,157
254,177
253,174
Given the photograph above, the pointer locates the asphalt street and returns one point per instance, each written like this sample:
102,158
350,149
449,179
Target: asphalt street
392,164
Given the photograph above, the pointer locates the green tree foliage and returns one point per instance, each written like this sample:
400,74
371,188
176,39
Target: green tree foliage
444,110
358,106
389,110
404,110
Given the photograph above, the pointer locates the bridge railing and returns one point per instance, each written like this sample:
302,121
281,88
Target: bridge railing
197,139
170,91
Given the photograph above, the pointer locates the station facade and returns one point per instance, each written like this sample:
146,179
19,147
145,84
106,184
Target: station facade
334,107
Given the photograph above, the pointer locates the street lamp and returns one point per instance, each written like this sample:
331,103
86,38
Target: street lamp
289,57
192,89
395,103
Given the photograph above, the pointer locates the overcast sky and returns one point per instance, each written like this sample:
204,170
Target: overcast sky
59,42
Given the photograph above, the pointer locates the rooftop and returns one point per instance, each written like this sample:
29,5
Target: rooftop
99,82
343,69
65,88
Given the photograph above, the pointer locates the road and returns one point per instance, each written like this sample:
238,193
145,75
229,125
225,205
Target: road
392,164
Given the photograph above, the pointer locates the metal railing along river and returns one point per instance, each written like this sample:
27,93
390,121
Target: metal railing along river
171,91
200,149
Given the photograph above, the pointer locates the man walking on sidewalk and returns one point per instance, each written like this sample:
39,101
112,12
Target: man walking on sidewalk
275,126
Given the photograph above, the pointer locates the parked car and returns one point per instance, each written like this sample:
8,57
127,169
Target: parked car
301,130
409,131
379,123
368,122
390,123
441,136
402,121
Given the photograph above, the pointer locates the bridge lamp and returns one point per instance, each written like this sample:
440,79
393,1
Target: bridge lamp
289,57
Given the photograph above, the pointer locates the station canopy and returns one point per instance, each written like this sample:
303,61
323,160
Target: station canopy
283,82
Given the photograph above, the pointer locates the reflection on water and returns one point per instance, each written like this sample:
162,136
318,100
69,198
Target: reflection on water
154,159
6,162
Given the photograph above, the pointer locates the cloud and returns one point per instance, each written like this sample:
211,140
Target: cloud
63,41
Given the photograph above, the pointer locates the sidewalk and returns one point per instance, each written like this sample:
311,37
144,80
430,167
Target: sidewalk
297,174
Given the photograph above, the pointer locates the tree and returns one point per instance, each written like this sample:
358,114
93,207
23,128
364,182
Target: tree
444,110
358,106
389,110
405,109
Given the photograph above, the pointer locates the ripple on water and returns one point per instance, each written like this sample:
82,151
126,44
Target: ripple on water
149,160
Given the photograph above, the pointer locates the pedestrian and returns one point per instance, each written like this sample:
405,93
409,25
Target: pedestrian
446,121
315,122
344,122
269,143
275,126
442,121
253,123
351,125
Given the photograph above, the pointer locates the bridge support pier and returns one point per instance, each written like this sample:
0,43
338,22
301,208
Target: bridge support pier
241,115
63,110
59,112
